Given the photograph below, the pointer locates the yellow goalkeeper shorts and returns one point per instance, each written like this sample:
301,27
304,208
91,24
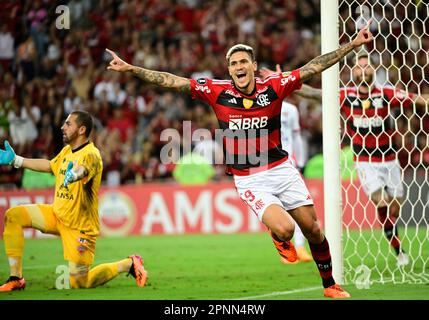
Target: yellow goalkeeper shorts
78,247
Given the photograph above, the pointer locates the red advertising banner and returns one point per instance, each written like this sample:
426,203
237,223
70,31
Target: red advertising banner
174,209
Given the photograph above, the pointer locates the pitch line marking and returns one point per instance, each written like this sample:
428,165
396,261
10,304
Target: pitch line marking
278,293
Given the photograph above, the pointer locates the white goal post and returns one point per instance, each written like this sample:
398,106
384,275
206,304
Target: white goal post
331,138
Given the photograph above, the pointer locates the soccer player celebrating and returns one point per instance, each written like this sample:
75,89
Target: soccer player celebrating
73,215
247,106
292,142
366,110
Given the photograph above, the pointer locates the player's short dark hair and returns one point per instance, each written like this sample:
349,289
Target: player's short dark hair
84,119
237,48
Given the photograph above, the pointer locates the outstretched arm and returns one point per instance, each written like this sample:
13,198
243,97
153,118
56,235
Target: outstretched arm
8,157
41,165
323,62
161,79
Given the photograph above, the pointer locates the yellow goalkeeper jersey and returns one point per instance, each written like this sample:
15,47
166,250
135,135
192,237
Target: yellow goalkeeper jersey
76,205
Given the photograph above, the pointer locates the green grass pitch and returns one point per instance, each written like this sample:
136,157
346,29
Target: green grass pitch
188,267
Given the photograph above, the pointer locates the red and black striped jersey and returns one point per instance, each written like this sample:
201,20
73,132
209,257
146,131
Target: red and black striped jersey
250,123
368,120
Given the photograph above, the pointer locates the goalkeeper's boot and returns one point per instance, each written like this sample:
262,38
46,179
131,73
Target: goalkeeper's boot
303,255
137,270
286,250
335,291
12,284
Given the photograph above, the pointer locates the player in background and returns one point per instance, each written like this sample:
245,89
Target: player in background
73,215
263,176
292,142
366,110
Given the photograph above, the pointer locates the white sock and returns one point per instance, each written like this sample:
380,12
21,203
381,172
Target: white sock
299,238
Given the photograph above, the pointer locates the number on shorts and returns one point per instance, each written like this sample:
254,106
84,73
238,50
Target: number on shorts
249,195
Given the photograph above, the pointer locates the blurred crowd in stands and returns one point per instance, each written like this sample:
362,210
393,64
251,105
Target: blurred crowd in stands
46,71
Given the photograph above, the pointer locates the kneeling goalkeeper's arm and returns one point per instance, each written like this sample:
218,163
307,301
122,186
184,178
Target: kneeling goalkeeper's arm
41,165
74,174
8,157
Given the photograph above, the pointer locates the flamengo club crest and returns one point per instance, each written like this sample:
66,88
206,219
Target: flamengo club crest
366,104
247,103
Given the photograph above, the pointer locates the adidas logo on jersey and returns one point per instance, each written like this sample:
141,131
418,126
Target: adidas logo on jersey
248,123
233,100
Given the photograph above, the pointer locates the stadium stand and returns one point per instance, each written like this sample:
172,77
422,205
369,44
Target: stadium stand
46,72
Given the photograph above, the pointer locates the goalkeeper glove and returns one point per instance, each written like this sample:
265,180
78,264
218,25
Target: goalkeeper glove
8,156
70,176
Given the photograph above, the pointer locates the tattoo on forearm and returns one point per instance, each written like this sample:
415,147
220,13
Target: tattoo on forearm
324,61
164,79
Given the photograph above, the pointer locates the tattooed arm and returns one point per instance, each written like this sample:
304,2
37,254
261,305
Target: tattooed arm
161,79
323,62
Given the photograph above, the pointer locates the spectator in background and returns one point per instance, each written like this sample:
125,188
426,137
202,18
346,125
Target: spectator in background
72,101
36,18
23,124
7,43
134,103
121,123
6,105
82,76
105,86
26,60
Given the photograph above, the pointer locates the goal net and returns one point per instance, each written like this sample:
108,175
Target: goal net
399,58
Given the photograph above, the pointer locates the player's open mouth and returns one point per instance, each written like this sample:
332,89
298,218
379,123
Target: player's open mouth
241,75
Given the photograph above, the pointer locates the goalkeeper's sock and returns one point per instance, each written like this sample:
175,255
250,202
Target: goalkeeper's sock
107,271
15,219
124,265
390,231
322,258
101,274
